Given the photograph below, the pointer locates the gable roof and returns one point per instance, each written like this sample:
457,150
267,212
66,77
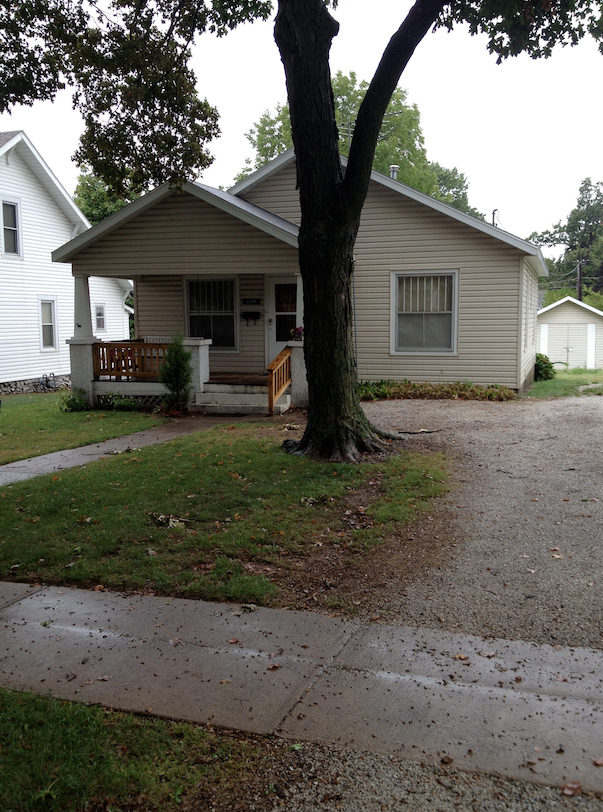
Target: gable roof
572,301
17,140
255,216
534,255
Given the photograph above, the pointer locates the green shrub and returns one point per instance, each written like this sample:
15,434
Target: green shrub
75,401
176,375
393,390
544,369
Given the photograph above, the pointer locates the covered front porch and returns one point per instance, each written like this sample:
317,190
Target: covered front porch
131,369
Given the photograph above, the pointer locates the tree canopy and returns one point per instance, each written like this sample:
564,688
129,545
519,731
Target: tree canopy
128,64
581,236
400,142
96,200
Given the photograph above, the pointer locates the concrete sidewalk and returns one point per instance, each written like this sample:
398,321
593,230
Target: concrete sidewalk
74,457
511,708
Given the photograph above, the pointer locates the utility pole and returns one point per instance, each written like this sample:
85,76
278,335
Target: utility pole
579,276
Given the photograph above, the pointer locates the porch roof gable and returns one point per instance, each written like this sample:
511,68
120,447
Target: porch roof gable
253,215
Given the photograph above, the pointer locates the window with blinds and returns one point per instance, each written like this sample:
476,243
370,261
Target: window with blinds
211,308
425,312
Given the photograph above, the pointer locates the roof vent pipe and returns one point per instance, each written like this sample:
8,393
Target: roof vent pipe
393,171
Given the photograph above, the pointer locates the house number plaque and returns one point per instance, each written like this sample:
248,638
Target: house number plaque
251,302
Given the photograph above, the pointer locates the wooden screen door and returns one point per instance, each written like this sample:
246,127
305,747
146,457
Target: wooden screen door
282,316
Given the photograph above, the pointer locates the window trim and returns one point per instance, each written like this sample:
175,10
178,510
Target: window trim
237,333
395,275
98,329
55,332
16,202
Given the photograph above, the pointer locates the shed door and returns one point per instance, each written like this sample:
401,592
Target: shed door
569,344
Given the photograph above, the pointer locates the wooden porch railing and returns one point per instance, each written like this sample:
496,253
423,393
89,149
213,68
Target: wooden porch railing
128,361
279,377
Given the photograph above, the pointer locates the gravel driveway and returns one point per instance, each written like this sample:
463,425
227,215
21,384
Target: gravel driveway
527,484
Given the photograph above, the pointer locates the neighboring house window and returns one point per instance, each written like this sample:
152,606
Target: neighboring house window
99,316
10,228
424,312
211,307
48,324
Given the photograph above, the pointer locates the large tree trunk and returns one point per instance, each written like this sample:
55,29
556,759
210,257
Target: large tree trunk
331,206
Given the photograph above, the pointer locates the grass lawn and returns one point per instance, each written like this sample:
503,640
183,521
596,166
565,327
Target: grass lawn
566,383
33,424
58,756
223,515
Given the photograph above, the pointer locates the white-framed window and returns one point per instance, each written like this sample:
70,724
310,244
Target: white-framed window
11,228
48,323
99,317
424,312
212,312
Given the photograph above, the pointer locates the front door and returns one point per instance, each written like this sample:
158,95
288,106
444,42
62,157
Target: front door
283,315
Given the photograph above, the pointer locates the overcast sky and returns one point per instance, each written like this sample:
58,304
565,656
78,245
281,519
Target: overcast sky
525,133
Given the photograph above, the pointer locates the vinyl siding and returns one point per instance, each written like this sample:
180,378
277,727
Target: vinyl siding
278,194
397,234
160,310
184,236
528,317
33,275
568,328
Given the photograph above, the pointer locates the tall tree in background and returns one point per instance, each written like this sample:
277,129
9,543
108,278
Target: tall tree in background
127,62
581,237
400,142
96,200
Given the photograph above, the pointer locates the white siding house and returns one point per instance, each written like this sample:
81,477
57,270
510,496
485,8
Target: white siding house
36,294
571,333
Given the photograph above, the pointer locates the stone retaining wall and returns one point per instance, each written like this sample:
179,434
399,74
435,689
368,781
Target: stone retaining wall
43,384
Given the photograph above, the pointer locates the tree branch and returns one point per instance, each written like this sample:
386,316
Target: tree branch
396,56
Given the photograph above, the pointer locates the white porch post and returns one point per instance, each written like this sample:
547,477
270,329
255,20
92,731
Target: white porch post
82,312
80,346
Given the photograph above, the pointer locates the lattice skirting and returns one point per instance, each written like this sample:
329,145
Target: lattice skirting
149,402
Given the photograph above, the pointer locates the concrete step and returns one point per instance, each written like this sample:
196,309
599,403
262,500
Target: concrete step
235,388
228,403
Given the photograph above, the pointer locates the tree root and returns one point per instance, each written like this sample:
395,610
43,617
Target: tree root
349,448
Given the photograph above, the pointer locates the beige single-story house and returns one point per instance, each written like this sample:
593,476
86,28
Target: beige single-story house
439,296
570,332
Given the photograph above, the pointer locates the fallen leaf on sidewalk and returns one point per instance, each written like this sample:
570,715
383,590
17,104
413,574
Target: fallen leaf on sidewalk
598,762
488,654
273,667
572,788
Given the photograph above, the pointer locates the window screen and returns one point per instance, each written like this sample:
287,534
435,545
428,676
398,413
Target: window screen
424,312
